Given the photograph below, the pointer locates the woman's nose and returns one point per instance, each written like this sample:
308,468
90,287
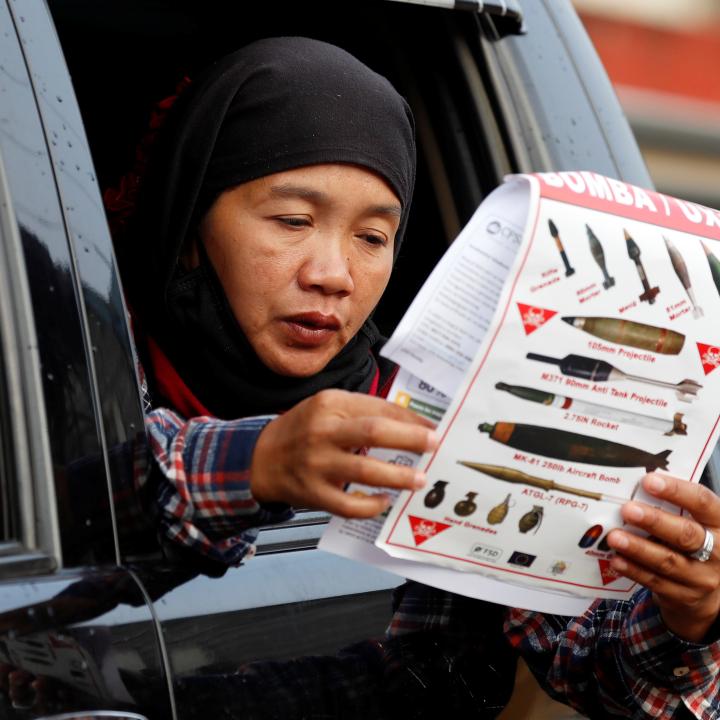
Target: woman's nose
327,268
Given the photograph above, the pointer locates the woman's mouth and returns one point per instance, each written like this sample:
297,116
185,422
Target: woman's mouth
311,329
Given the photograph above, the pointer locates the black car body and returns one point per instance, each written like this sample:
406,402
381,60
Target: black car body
93,612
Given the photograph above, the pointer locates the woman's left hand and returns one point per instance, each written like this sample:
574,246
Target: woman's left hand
686,590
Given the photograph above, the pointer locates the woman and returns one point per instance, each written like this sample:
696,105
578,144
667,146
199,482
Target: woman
270,215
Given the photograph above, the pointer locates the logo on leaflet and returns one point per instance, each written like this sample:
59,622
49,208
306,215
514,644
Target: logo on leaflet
534,317
709,356
522,559
607,573
423,529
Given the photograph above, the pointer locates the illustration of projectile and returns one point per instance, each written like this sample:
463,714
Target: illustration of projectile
682,272
500,472
600,371
597,252
676,426
649,293
569,270
573,447
628,332
714,266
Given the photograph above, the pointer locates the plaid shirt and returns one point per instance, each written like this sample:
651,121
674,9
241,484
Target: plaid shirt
617,660
203,492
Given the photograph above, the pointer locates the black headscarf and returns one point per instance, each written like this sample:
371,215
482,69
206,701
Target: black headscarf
274,105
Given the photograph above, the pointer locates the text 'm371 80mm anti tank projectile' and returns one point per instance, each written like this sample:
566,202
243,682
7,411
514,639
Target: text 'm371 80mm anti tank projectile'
569,270
649,293
573,447
628,332
600,371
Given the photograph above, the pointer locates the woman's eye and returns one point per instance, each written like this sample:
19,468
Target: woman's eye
294,221
371,239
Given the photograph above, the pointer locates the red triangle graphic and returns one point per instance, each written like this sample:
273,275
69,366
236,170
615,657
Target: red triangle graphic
423,530
533,317
709,356
607,573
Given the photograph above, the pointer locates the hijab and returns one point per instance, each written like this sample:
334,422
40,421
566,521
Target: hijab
274,105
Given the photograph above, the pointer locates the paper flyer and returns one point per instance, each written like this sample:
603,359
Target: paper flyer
572,324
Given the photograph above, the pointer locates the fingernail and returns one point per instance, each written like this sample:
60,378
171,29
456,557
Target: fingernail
432,440
633,512
619,564
655,484
420,480
618,540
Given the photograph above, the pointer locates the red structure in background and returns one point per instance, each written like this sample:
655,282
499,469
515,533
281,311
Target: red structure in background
657,58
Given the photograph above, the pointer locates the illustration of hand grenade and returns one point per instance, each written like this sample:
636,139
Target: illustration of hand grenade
467,506
499,512
531,519
436,495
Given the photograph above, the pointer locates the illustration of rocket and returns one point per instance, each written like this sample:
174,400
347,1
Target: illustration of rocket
597,252
649,293
569,270
588,368
628,332
668,427
573,447
682,272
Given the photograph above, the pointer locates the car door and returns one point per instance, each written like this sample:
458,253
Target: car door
516,87
76,631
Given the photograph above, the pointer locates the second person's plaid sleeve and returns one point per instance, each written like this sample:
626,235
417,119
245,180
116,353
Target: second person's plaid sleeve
619,660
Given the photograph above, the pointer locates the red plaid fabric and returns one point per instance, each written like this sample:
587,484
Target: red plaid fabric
617,660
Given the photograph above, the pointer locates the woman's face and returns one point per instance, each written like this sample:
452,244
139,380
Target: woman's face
303,257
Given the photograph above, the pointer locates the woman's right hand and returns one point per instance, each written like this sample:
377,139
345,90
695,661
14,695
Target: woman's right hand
307,455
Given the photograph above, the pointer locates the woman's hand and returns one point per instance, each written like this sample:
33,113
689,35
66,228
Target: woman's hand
306,456
686,590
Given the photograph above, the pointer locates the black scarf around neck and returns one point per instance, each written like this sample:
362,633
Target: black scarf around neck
274,105
226,371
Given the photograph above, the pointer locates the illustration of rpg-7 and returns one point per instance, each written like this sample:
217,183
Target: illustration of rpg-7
573,447
600,371
511,475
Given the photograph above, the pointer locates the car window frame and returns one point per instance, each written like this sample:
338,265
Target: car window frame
37,545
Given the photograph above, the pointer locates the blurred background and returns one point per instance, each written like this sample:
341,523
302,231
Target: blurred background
663,56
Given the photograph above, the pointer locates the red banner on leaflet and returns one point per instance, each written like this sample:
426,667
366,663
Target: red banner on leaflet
597,192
